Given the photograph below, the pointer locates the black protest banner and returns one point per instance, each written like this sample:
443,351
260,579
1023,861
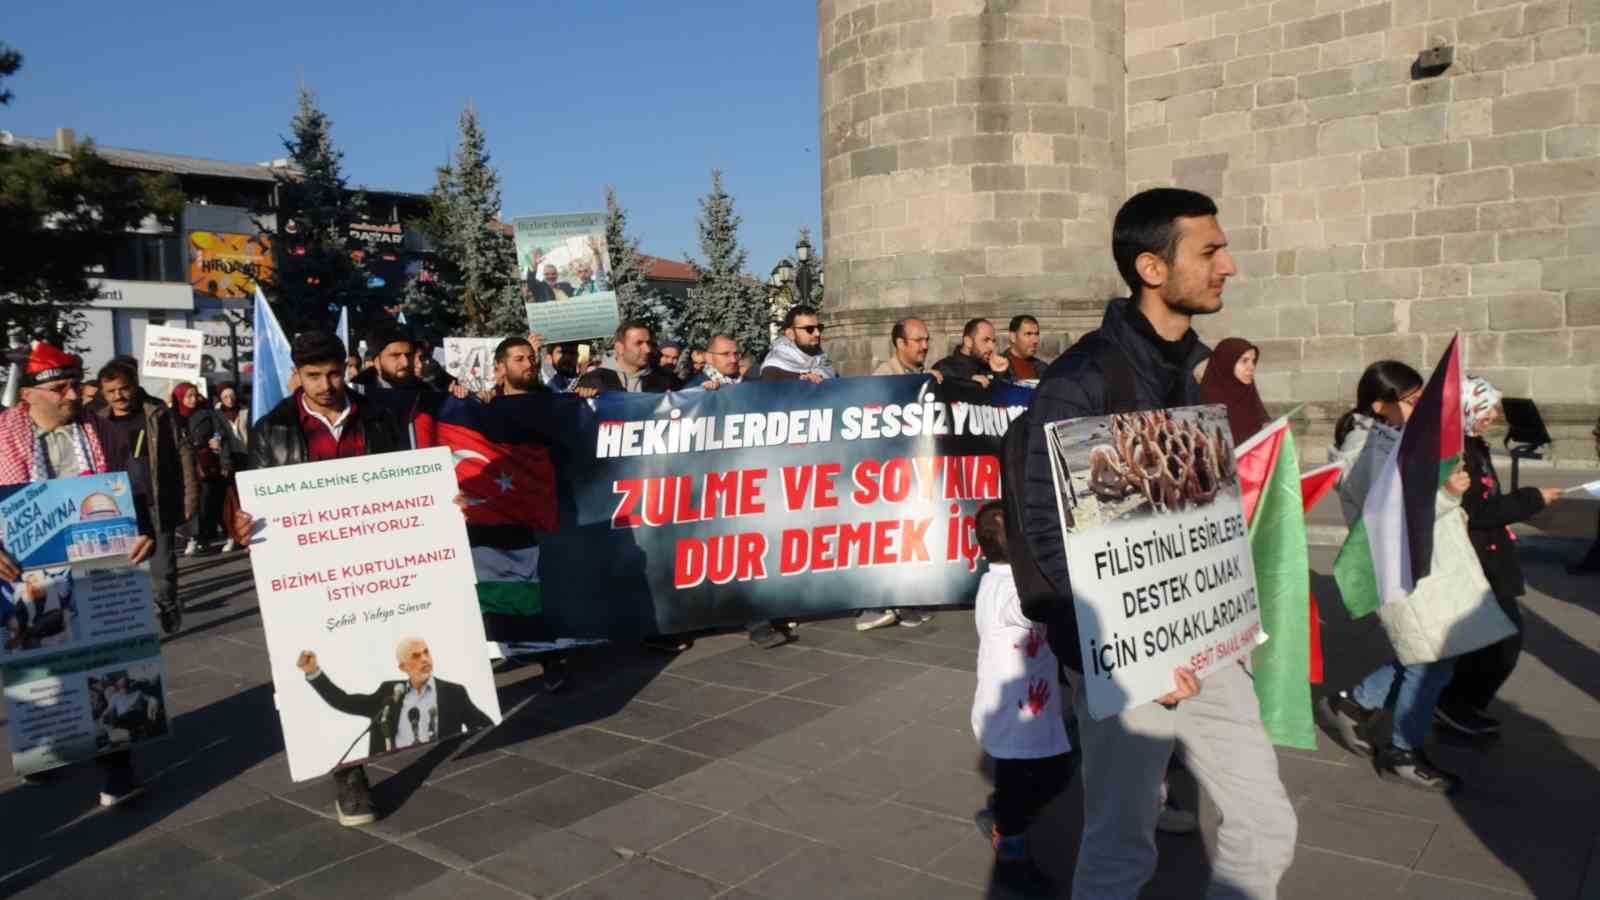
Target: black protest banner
701,509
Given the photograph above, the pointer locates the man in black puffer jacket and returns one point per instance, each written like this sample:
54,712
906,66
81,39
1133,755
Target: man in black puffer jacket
1172,253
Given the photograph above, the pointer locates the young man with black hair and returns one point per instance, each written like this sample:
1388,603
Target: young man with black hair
1023,348
974,368
324,420
1173,255
627,366
394,350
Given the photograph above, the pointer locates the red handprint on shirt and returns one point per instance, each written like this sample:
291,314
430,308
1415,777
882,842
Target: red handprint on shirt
1038,696
1034,641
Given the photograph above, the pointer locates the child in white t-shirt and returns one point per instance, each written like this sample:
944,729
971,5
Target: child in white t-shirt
1016,710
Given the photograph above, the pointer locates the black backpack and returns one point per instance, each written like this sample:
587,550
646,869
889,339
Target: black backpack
1037,594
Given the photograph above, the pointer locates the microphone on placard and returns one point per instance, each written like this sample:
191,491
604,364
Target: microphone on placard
388,709
433,723
415,716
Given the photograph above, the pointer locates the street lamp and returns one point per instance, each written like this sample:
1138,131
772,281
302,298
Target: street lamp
802,275
782,273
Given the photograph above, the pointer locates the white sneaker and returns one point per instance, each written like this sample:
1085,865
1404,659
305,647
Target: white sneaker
1176,821
230,546
882,620
192,548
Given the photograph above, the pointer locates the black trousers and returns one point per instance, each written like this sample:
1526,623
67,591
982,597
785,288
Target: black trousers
1022,787
208,521
1480,674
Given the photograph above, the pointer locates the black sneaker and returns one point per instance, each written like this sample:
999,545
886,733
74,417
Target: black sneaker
554,677
121,787
984,819
1022,877
1413,768
171,616
352,800
667,643
1462,719
1350,723
766,637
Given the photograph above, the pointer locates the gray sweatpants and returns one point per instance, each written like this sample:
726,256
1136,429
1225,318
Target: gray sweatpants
1227,749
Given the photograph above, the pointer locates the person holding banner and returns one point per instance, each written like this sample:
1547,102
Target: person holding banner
320,421
909,339
162,473
974,367
49,435
797,353
722,365
1173,254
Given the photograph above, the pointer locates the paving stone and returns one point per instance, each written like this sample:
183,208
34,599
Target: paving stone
1315,871
386,871
1430,887
463,885
806,810
566,800
500,778
729,850
550,863
648,722
481,833
579,749
303,851
730,673
908,836
232,833
1396,840
712,700
823,871
645,878
723,785
720,737
779,714
1544,861
642,823
651,766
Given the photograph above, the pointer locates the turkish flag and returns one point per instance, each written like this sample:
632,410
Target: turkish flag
504,484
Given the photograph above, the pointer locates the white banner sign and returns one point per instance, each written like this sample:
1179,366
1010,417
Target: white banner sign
1157,549
173,353
471,361
369,604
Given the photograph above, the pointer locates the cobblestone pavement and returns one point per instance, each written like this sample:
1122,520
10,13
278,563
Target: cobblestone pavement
839,766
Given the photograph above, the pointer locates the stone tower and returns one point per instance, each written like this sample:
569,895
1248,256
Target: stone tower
972,155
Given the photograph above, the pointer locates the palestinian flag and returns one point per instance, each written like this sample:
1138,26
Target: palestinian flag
1390,548
1269,480
1314,485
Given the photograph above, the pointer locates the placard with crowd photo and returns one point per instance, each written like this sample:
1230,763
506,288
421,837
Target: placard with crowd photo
1158,549
369,606
77,612
471,361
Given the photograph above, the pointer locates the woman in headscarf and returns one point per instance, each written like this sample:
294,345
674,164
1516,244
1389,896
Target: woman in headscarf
205,429
1230,379
1490,514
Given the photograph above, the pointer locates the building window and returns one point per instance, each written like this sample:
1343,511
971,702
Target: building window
145,257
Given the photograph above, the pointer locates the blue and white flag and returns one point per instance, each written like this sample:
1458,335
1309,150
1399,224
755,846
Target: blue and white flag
270,382
343,331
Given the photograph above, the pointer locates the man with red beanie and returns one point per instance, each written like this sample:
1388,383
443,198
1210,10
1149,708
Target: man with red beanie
49,434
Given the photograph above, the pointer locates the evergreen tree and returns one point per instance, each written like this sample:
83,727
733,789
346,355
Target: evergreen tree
58,219
316,272
477,257
724,299
635,298
431,299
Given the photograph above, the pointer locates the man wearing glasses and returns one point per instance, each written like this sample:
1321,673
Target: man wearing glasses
909,338
797,354
50,435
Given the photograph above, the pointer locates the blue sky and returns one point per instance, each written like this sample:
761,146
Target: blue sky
643,94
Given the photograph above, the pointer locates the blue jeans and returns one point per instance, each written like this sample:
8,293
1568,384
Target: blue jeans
1412,690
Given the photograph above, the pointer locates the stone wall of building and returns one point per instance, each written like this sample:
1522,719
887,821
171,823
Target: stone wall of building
971,160
1373,213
